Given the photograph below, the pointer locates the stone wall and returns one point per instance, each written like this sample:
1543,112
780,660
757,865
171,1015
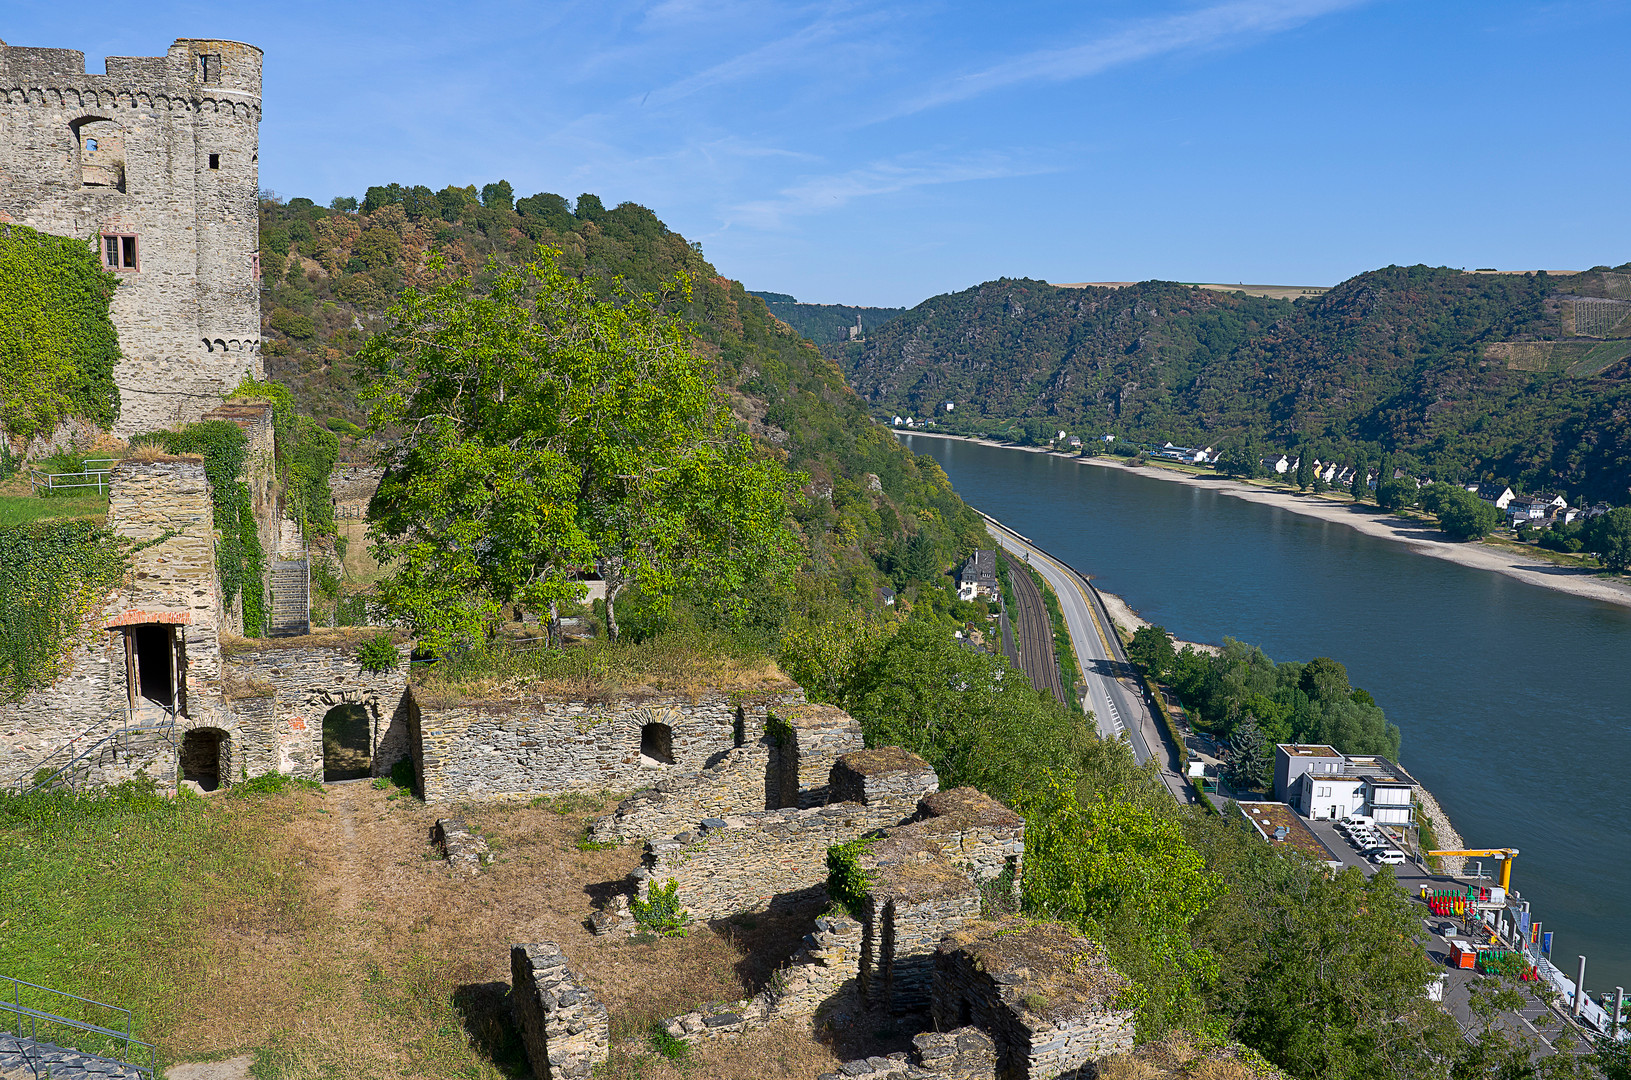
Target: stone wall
565,1029
916,897
527,746
163,148
822,970
1046,995
769,860
260,476
777,859
809,739
974,831
308,676
963,1054
742,783
886,776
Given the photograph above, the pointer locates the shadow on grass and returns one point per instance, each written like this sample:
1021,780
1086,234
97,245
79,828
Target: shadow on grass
485,1009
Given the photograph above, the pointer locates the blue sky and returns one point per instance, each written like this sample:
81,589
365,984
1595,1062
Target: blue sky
882,153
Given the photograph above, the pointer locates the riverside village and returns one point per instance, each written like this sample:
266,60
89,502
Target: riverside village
351,730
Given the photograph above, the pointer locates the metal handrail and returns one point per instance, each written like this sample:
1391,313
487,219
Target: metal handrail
34,1016
94,478
24,781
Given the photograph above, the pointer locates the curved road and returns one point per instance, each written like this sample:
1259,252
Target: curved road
1117,706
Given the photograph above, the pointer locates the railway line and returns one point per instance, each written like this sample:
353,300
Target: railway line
1034,632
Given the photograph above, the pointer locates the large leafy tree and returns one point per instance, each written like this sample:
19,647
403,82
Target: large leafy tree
1609,535
1461,514
532,429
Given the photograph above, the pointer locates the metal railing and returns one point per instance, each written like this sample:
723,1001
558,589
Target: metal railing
45,483
31,1008
48,772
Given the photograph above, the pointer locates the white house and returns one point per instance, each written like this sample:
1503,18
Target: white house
978,576
1320,782
1498,494
1279,464
897,421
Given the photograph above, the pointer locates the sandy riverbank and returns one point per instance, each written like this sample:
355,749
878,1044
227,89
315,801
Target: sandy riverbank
1418,535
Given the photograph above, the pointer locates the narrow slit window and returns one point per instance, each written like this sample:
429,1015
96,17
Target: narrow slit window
212,67
215,161
90,145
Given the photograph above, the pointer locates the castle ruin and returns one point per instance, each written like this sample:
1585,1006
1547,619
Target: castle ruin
156,164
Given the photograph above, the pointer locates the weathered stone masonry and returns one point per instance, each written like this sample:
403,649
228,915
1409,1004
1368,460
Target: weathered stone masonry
163,149
564,1028
526,746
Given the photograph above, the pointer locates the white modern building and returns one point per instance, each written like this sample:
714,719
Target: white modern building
1320,782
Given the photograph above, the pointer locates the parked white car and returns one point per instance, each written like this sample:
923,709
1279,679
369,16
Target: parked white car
1358,819
1387,857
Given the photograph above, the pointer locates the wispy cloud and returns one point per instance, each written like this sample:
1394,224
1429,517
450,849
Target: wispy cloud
822,194
1208,27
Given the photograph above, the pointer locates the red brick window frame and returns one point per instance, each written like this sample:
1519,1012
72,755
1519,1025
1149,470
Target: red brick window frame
120,251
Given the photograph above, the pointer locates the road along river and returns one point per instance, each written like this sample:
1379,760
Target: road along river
1514,700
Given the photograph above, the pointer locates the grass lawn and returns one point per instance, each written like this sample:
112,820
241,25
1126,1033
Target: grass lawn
22,509
320,932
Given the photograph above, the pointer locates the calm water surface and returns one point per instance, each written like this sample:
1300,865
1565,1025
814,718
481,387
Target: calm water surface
1514,700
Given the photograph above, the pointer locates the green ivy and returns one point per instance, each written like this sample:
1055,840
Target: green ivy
52,574
58,346
378,654
306,454
847,883
239,559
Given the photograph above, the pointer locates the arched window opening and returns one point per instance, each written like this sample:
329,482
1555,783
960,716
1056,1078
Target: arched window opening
656,745
348,743
204,753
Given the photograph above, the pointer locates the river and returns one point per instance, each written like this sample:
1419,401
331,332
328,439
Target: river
1514,700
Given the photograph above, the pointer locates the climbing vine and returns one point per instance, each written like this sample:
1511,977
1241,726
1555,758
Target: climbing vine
239,559
58,346
306,453
847,882
52,574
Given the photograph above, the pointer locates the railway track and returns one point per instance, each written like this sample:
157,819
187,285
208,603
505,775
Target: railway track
1034,632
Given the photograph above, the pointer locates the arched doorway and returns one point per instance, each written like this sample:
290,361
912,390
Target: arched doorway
205,757
348,743
656,745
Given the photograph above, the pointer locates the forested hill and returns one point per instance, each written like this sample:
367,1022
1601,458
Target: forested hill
825,324
330,273
1523,378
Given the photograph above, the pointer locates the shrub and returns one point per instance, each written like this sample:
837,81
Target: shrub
378,655
847,883
667,1045
275,783
662,914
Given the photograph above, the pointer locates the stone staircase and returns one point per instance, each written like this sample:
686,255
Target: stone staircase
291,597
36,1020
31,1059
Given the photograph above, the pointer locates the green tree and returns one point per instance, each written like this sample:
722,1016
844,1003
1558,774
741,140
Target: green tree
1125,875
1324,679
1249,756
1359,488
1395,495
1326,977
1152,647
1241,456
1609,537
534,429
499,196
1461,514
1305,467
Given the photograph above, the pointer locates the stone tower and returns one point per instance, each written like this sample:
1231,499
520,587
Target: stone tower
156,163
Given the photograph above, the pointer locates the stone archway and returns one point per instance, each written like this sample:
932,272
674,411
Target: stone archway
348,742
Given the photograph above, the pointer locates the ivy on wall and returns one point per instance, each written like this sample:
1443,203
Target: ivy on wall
52,574
58,346
306,454
239,558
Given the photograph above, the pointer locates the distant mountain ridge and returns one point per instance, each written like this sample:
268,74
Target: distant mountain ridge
1524,378
825,324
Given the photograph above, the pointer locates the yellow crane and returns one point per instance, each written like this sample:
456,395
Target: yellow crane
1504,855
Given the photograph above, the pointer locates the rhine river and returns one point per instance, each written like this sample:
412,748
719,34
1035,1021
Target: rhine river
1514,701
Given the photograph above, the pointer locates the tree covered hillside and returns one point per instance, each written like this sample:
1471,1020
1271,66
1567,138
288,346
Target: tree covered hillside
330,273
825,324
1469,375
